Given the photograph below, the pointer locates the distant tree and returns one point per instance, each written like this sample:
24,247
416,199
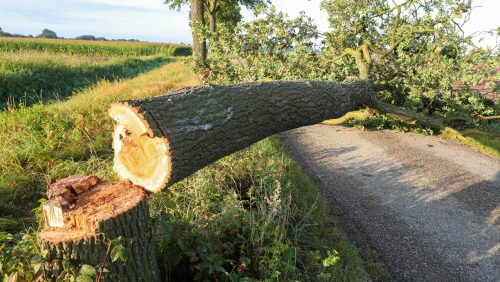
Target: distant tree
86,37
47,33
6,34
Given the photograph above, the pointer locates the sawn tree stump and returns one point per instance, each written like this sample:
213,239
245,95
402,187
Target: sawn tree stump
82,218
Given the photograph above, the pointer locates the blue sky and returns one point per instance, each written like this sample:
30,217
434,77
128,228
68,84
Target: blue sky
151,20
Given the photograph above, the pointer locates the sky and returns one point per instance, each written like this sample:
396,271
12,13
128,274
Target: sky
151,20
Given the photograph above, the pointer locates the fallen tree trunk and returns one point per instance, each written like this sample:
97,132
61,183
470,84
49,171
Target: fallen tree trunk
81,220
159,141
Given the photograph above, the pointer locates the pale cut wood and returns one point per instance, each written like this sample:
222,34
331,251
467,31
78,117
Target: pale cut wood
53,213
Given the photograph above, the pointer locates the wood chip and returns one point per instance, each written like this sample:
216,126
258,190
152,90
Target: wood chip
72,186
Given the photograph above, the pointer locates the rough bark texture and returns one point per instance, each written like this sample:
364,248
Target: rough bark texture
204,124
78,247
212,17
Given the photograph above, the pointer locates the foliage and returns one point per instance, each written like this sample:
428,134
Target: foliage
251,215
21,258
6,34
379,121
33,77
270,47
93,48
416,49
414,52
228,11
47,33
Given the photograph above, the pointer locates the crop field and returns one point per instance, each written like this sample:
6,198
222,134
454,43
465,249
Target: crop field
43,70
93,48
30,77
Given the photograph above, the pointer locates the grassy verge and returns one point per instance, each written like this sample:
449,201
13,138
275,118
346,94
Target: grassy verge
31,77
486,142
44,142
253,215
93,48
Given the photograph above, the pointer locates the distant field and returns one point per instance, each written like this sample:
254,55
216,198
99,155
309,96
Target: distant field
36,70
94,48
31,77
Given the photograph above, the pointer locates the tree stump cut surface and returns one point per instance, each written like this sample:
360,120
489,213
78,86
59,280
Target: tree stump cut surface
90,220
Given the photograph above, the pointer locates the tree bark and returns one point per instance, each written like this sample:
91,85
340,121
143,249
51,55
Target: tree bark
159,141
212,13
105,212
198,18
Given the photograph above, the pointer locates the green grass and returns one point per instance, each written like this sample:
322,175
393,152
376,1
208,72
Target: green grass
93,48
31,77
485,142
252,215
44,142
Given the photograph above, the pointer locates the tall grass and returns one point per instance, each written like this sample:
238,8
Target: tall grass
30,77
44,142
251,215
94,48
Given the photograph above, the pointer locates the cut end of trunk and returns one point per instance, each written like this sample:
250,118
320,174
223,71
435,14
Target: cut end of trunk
139,156
84,216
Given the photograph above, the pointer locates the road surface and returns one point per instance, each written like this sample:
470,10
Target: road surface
428,206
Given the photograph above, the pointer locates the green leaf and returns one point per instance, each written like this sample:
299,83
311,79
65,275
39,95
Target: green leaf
119,252
84,278
37,267
87,270
331,259
10,278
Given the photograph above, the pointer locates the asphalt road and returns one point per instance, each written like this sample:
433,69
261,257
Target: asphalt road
428,206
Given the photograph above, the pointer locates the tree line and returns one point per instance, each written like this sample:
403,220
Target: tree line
47,33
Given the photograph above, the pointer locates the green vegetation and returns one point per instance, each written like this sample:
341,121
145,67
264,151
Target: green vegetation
41,70
47,33
412,52
31,77
484,141
253,214
44,142
93,48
